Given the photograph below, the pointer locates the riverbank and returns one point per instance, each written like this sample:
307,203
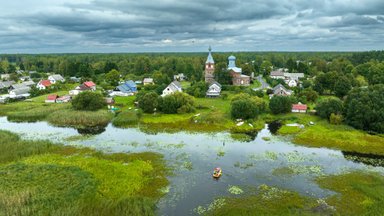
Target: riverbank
48,179
357,193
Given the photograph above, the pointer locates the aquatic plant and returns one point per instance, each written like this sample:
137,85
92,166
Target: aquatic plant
215,205
270,155
235,190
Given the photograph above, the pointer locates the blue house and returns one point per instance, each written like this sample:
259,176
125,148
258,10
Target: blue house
127,87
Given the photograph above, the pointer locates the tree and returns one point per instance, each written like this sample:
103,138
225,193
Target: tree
328,106
113,77
244,106
364,108
291,65
266,68
222,75
198,89
247,69
176,103
280,104
342,86
88,100
148,102
310,95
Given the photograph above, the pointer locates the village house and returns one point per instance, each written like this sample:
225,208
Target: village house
173,87
51,98
148,81
280,90
43,84
74,79
5,76
299,108
126,89
6,84
19,92
214,89
209,68
25,78
64,99
277,74
179,77
86,86
238,79
56,78
22,85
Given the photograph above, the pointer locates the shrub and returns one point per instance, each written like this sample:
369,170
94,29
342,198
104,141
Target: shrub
335,119
176,103
245,106
89,101
148,102
280,104
328,106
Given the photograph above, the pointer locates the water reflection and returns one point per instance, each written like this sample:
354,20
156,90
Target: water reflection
274,126
91,130
368,159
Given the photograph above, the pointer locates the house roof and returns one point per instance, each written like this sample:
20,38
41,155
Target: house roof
294,75
277,73
45,83
280,86
57,77
299,106
28,83
6,84
235,69
215,83
65,97
148,80
23,90
130,84
89,84
177,84
52,97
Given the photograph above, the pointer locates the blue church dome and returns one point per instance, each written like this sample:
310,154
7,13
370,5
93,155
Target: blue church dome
231,58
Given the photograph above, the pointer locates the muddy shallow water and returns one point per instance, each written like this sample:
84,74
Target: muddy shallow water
194,155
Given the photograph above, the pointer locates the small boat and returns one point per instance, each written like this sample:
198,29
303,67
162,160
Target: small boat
217,172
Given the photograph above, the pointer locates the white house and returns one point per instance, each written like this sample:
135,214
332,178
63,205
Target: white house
56,78
277,74
43,84
214,90
291,83
172,88
280,90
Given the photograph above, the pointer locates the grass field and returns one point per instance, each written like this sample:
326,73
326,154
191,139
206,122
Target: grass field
48,179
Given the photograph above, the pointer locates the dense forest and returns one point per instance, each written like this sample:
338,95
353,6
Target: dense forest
336,74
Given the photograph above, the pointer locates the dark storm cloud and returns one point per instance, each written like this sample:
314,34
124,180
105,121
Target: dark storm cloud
170,25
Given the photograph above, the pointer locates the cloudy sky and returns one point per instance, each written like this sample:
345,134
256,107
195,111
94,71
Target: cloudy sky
61,26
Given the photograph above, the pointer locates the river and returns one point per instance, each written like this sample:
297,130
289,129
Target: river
194,155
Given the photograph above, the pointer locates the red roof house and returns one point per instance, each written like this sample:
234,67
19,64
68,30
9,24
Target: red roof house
300,108
90,85
51,98
43,84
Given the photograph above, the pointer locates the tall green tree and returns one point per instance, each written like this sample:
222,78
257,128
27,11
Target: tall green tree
113,77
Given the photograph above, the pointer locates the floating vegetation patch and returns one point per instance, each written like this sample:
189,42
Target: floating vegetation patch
299,169
235,190
188,165
78,138
266,138
216,204
269,193
296,157
270,155
220,152
243,165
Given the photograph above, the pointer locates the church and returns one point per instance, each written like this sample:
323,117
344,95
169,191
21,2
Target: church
238,79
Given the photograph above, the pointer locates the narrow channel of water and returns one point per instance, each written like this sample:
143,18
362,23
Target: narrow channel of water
194,155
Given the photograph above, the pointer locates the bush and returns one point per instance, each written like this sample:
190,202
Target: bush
364,108
280,104
244,106
198,89
328,106
89,101
335,119
148,102
176,103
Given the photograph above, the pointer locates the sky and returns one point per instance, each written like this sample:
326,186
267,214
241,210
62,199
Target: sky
105,26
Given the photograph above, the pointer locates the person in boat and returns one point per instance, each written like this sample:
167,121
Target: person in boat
217,172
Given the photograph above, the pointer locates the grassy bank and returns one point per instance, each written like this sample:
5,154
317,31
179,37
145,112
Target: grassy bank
46,179
340,137
358,193
80,119
35,114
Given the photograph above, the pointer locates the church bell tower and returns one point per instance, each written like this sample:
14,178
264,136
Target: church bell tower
209,68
